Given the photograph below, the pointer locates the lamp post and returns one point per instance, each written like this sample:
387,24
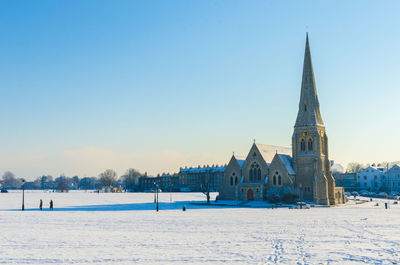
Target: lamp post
155,200
156,195
170,189
391,184
23,195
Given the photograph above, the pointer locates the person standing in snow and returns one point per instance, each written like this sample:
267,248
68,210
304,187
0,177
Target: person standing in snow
41,204
51,204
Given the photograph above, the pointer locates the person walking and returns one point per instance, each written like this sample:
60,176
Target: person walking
51,205
41,204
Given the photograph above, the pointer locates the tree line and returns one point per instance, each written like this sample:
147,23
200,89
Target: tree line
354,167
109,178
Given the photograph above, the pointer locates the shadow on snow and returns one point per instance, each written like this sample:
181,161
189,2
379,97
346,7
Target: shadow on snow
140,206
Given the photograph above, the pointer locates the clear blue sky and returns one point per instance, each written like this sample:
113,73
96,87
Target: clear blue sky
154,85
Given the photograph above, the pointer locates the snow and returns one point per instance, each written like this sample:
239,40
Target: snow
287,162
268,151
90,228
203,169
240,162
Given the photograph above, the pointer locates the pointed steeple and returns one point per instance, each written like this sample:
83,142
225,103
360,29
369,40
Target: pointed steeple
309,113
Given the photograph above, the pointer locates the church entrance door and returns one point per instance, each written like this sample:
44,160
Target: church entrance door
250,195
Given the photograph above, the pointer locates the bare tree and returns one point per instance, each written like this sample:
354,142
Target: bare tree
108,177
10,181
354,167
131,178
87,183
206,185
61,184
75,181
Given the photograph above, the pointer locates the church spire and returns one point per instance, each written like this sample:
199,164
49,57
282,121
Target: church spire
309,113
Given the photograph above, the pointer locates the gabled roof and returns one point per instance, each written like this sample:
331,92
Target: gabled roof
394,168
268,151
287,162
240,160
379,169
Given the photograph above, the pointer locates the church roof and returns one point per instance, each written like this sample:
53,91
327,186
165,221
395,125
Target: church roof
240,160
309,113
268,151
287,162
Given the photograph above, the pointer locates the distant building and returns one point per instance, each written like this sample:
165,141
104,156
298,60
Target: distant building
146,183
392,182
201,178
346,180
166,182
371,178
31,185
193,179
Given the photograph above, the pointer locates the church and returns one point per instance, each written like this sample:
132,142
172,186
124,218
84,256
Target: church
304,168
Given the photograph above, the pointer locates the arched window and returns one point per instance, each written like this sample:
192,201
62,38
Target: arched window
310,145
302,145
255,172
231,181
276,179
236,180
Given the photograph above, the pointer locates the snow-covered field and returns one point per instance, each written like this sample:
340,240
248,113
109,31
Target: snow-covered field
90,228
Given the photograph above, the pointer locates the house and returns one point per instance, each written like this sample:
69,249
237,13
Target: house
371,178
392,182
